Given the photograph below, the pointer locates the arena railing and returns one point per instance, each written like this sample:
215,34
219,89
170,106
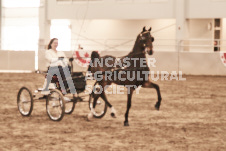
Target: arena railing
126,44
202,45
123,44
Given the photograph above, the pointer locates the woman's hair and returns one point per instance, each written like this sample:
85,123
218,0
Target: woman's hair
50,43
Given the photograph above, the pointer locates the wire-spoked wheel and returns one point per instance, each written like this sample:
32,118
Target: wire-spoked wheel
97,105
69,105
25,101
55,105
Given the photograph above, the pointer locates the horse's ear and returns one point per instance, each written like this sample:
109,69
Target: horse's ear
149,29
144,29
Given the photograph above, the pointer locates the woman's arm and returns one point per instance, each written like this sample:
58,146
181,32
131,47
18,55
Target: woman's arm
51,59
65,58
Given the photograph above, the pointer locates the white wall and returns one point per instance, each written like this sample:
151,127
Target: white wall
135,9
20,12
223,35
20,30
104,33
201,63
17,60
115,14
111,9
201,38
205,9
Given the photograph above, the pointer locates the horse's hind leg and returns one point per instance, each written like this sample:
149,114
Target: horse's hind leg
104,86
103,96
96,97
90,115
129,97
149,84
113,112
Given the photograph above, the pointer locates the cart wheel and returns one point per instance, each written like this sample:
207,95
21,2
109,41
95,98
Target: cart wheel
98,106
69,106
55,105
25,101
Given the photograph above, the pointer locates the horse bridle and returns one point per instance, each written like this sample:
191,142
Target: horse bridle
143,38
144,45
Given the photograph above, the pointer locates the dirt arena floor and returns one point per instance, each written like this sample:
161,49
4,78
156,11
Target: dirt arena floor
192,117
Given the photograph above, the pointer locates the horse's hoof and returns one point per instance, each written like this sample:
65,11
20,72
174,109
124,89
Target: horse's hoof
89,116
113,115
126,123
157,107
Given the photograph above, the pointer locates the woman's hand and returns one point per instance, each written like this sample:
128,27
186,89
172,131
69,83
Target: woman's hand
61,58
60,63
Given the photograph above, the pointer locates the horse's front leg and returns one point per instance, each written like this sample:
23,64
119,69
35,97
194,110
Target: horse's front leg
129,98
149,84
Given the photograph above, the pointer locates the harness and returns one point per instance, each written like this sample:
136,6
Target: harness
124,68
118,69
131,54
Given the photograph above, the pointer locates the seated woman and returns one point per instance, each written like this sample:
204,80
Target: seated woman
57,64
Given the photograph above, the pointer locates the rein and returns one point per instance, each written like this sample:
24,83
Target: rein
122,68
133,54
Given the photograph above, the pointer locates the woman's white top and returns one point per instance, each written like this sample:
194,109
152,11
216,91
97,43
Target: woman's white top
52,58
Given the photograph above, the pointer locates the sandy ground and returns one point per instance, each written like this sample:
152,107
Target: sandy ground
192,117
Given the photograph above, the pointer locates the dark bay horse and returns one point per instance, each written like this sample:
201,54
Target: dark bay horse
121,74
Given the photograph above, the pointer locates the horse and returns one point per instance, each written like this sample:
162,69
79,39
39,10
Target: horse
143,45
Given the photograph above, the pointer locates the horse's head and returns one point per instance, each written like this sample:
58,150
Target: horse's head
146,40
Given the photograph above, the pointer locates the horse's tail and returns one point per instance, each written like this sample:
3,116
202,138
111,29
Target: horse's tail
94,55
